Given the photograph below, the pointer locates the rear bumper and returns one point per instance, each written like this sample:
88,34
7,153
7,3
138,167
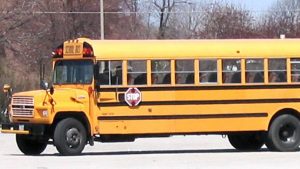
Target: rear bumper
19,128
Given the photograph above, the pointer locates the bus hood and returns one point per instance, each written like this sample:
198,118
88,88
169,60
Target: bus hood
61,96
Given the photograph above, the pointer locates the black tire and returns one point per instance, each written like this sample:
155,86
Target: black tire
246,141
284,134
30,145
70,137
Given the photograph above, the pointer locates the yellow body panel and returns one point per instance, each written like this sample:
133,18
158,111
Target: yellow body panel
174,49
210,105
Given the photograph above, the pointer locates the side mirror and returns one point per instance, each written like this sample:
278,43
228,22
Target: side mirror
44,85
6,88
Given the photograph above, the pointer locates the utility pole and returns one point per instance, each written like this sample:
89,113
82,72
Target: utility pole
101,20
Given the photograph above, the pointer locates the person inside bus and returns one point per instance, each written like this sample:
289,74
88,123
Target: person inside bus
154,78
189,79
167,79
103,78
213,77
295,76
282,76
117,79
273,77
259,77
141,79
130,78
236,78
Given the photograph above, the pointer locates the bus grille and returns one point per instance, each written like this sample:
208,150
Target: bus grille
22,106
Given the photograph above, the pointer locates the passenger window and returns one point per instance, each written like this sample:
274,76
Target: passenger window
208,71
137,73
110,73
231,70
277,70
295,67
254,70
161,72
184,72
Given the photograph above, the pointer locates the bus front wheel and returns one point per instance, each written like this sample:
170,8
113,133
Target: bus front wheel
284,134
246,141
29,145
70,137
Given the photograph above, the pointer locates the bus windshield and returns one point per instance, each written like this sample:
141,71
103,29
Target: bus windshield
73,72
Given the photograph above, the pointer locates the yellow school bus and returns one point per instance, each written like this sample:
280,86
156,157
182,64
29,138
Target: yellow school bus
119,90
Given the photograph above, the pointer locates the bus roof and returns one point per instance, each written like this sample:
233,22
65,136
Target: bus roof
185,49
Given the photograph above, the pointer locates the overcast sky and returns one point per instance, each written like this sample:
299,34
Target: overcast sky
255,5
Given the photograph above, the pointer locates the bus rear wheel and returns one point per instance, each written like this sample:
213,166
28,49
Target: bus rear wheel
284,134
246,141
29,145
70,137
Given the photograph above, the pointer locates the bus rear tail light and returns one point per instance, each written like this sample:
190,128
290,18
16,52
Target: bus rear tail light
87,50
58,52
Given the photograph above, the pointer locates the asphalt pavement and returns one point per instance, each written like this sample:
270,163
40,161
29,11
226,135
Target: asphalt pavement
184,152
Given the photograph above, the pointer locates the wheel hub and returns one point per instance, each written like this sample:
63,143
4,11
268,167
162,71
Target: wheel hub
287,133
73,137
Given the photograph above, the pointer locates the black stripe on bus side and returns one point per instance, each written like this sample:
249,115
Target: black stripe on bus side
202,102
224,87
178,117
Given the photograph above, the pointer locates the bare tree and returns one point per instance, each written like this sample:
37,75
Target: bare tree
25,36
282,18
223,20
165,8
186,22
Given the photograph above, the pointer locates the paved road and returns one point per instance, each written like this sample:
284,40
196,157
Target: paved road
184,152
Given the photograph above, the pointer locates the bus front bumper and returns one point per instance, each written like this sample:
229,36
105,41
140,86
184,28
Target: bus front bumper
18,128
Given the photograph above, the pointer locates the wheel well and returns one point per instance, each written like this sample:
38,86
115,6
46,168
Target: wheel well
80,116
289,111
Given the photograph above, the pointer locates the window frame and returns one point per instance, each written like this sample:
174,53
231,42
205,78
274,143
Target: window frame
189,72
73,60
258,71
208,71
278,70
167,73
140,73
239,71
110,76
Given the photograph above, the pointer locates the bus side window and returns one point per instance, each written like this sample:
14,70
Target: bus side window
109,73
137,72
208,71
254,71
295,68
184,72
101,73
277,70
231,70
161,72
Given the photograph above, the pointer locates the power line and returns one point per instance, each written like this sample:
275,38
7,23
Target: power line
140,12
150,12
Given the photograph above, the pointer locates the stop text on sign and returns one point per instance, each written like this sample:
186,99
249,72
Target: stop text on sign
133,96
